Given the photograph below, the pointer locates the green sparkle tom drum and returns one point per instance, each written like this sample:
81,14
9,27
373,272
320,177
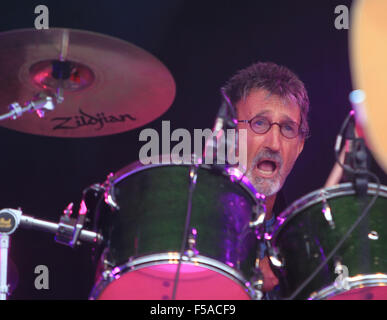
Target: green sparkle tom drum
306,232
144,224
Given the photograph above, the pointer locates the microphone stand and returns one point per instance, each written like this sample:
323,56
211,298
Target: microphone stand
9,221
358,162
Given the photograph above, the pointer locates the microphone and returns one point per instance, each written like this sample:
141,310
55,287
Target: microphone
221,119
344,156
355,146
217,138
349,143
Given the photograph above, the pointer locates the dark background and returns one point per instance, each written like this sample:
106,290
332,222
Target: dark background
202,43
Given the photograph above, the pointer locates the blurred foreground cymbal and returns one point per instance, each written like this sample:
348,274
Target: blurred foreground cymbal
109,85
368,53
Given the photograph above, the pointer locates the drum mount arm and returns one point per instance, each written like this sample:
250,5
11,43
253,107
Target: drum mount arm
67,225
69,230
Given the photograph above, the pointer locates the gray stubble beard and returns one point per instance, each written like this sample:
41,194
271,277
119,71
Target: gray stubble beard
264,186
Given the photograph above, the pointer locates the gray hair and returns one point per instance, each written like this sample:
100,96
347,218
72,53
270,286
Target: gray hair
275,79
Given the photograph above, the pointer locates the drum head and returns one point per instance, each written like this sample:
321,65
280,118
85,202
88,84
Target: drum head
368,293
156,283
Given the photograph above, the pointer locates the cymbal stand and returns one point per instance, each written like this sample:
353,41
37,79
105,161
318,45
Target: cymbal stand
61,71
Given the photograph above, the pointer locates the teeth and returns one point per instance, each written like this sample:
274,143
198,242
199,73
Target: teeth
266,172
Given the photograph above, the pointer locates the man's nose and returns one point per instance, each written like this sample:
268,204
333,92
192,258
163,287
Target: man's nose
273,138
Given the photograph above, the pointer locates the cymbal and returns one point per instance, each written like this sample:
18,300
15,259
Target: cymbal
109,85
368,52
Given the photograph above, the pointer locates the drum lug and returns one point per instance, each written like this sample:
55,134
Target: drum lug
274,255
109,197
341,281
192,251
107,267
193,173
107,264
255,294
327,212
111,273
257,280
373,235
259,213
107,275
256,284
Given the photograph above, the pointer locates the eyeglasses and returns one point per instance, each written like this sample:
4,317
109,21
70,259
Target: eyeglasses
261,125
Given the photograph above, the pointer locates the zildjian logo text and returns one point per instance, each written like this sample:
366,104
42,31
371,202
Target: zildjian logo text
84,119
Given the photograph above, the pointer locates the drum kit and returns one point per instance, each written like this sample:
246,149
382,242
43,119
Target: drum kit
194,231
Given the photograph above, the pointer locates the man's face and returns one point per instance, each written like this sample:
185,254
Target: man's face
270,156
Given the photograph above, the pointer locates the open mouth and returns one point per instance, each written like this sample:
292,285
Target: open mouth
267,168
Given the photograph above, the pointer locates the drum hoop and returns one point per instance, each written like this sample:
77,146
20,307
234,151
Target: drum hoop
165,258
343,189
136,167
355,282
